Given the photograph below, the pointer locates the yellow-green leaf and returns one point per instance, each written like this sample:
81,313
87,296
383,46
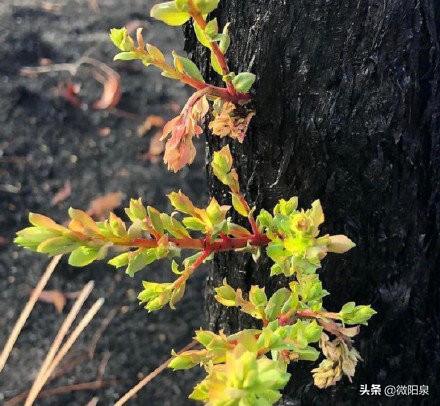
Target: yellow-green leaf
155,53
83,256
244,81
201,36
185,65
238,205
121,39
57,246
169,14
40,221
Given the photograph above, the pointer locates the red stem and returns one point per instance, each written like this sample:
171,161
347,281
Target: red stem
223,93
219,245
220,56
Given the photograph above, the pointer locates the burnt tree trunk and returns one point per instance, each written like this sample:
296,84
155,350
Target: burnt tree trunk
348,111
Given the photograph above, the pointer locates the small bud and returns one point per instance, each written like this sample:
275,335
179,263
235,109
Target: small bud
340,244
352,314
257,296
121,39
226,295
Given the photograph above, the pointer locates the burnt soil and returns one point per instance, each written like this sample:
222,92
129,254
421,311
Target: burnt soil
44,142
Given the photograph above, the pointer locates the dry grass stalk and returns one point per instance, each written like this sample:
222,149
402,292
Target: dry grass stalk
133,391
27,311
62,332
64,350
62,390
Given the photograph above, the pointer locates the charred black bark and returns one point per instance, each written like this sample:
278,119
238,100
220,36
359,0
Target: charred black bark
348,111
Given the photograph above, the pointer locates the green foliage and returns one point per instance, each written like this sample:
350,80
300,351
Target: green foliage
293,318
179,149
249,367
296,246
186,66
170,13
352,314
244,379
243,82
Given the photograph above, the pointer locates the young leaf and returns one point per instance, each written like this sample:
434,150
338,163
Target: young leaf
57,246
352,314
185,65
257,296
155,53
340,244
32,237
83,256
216,64
173,226
85,220
120,260
222,167
244,81
187,360
238,205
169,13
126,56
45,223
211,29
226,295
193,223
201,36
121,39
143,257
225,40
182,203
155,295
276,303
156,221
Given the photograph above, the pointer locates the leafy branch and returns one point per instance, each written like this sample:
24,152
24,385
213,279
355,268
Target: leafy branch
228,120
249,367
292,318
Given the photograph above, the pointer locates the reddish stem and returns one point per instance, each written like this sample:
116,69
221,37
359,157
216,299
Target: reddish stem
187,274
219,245
223,93
220,56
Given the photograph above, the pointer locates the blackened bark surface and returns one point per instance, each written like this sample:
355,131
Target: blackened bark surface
348,111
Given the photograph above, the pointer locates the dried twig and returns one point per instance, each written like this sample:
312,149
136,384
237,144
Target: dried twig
64,349
133,391
27,311
62,332
69,364
93,402
61,390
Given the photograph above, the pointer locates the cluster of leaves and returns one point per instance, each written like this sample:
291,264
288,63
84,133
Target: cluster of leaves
228,120
249,367
296,246
239,370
